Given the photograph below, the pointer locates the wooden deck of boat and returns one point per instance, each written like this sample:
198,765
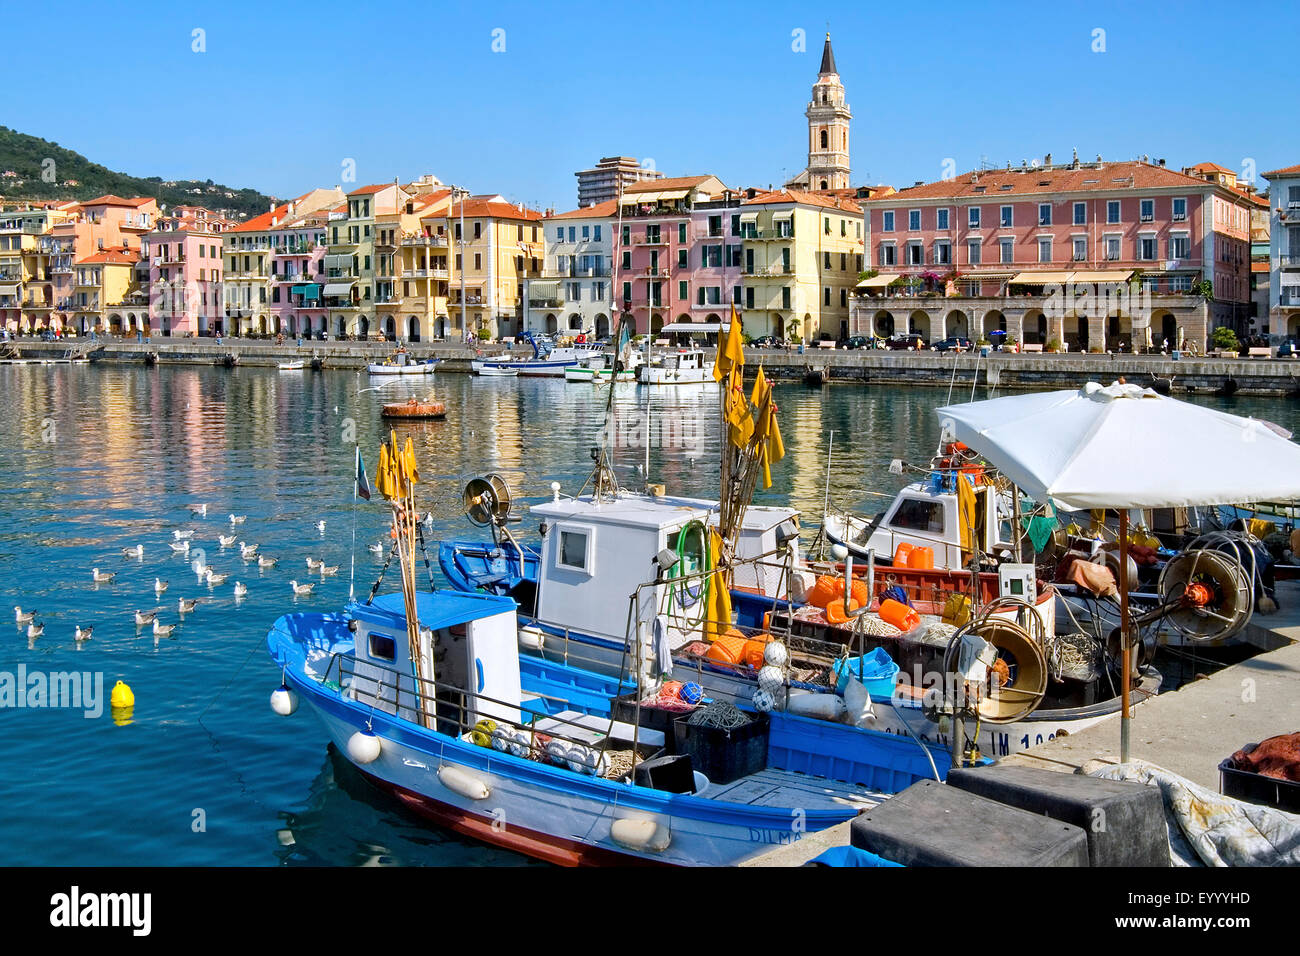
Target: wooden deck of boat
786,788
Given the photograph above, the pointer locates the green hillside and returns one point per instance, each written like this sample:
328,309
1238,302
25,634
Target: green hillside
76,177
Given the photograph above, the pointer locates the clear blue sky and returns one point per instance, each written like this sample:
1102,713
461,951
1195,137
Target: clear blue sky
286,92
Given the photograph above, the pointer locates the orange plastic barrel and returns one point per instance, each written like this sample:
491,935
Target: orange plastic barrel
835,611
901,553
899,615
752,652
921,559
824,590
860,593
727,649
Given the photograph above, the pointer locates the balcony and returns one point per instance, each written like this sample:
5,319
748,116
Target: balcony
1289,261
649,240
437,242
709,306
469,300
766,235
443,274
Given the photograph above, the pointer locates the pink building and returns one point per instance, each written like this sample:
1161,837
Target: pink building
298,272
677,251
185,271
1022,232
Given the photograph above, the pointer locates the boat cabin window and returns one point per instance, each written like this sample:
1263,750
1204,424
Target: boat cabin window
575,548
382,647
917,514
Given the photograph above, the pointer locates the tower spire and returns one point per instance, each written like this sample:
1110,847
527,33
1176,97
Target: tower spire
828,58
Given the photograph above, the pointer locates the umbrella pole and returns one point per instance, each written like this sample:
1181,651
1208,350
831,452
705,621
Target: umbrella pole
1126,715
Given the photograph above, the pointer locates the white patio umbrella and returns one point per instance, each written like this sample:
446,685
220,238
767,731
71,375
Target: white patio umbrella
1122,446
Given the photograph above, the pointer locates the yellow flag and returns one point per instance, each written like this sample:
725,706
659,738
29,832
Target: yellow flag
731,348
965,511
383,474
718,606
412,471
740,423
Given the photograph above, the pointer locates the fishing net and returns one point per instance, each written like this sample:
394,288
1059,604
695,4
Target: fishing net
719,714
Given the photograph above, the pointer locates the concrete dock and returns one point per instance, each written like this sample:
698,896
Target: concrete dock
1188,731
1005,370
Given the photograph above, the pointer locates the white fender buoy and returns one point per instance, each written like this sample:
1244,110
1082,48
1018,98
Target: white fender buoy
532,638
818,706
770,679
641,834
776,654
284,701
364,747
839,552
461,781
762,701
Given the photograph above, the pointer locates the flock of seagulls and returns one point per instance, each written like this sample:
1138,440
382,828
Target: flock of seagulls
181,545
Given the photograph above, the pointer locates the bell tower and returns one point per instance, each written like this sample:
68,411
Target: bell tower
828,128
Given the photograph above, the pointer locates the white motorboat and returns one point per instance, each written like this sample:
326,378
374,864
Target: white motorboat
295,366
403,363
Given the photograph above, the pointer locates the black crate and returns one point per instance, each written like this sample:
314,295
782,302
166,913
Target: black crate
724,755
1257,788
674,774
652,718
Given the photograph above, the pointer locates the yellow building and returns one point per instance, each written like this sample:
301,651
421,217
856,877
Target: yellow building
103,288
801,256
411,267
500,247
26,289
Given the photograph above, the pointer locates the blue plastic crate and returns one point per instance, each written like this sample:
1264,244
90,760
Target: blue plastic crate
885,762
877,671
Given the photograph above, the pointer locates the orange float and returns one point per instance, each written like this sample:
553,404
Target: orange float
900,615
921,559
901,553
835,611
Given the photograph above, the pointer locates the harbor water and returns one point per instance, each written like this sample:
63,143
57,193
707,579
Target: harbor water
96,459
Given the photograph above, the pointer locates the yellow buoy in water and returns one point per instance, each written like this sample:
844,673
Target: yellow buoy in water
121,696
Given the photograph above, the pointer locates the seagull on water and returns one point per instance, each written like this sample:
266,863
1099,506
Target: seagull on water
159,585
185,605
237,519
320,526
240,589
137,552
303,589
247,551
225,540
35,630
162,630
23,617
377,548
314,563
144,617
180,547
83,633
102,577
200,510
324,570
180,535
215,579
264,562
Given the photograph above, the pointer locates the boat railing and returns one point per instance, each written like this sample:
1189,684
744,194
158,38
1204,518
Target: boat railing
441,706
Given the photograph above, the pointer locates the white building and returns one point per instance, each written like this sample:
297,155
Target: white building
609,177
575,293
1284,252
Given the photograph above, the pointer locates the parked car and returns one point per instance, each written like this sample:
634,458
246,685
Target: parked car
857,342
768,342
954,343
913,341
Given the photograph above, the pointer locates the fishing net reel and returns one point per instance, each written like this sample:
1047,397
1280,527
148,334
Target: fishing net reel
995,666
1205,595
487,501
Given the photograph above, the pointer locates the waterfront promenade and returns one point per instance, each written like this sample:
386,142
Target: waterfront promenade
1224,376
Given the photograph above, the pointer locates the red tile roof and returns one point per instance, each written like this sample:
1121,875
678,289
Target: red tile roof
807,198
487,209
262,222
370,190
598,211
656,185
1212,168
1065,179
109,199
1278,173
111,257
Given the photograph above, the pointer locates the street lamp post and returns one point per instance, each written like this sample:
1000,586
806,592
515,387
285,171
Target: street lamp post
457,191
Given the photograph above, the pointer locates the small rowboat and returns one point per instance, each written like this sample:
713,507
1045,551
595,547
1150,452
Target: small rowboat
412,408
402,363
294,366
495,372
